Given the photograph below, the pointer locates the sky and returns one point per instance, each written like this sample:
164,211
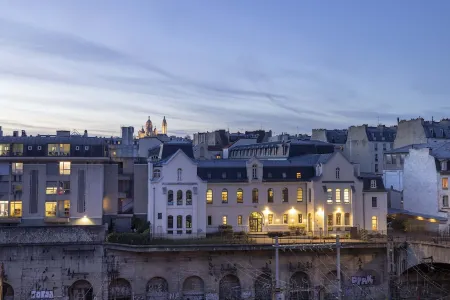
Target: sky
285,66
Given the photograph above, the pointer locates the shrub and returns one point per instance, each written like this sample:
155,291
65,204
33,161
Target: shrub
139,225
128,238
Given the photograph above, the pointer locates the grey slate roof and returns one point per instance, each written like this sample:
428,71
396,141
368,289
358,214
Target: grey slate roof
439,150
41,140
437,130
337,136
381,134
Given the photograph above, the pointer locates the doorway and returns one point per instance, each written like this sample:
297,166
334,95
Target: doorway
255,222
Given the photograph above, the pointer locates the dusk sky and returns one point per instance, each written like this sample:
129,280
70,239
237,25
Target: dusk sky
205,65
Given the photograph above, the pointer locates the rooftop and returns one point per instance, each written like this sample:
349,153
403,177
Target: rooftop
439,150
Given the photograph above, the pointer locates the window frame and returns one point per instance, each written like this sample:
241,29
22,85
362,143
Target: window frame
209,196
224,195
299,194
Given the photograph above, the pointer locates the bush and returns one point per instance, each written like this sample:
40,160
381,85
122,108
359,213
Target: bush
129,238
273,234
139,225
225,228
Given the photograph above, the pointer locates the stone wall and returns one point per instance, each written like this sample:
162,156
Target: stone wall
52,234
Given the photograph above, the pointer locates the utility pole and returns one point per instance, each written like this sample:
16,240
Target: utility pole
278,294
338,267
2,275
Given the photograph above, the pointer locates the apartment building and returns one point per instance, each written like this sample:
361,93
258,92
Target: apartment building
419,131
312,189
366,145
337,137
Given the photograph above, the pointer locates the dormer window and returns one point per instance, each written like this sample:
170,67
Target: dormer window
284,174
156,173
269,175
239,175
208,175
179,174
373,184
224,175
255,171
299,175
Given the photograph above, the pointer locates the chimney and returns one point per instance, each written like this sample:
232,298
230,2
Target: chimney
24,133
85,133
15,133
398,120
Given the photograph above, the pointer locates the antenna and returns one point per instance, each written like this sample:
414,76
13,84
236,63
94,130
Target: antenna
378,120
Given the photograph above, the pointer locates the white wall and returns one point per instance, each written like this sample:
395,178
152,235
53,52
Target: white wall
420,183
393,178
380,211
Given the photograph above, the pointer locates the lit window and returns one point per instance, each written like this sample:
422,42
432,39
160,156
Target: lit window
329,196
239,220
338,173
374,223
285,218
330,222
224,220
209,196
285,195
51,188
299,175
255,196
338,195
373,184
338,218
17,168
270,218
240,196
4,212
179,173
66,208
64,168
224,196
50,209
346,196
189,224
299,195
445,183
270,195
16,208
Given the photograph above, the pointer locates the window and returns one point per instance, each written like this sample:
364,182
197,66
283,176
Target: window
329,196
17,168
285,218
374,202
170,197
224,175
384,147
373,184
445,201
189,224
309,195
239,220
269,175
346,196
50,209
179,174
299,195
209,220
156,173
338,218
179,197
224,220
376,167
375,146
283,174
188,197
4,212
338,195
445,183
444,165
255,171
179,224
64,168
209,196
239,175
270,218
374,223
170,224
338,173
376,157
255,196
58,149
300,218
346,219
159,216
66,204
240,196
16,208
209,175
270,195
224,196
285,195
330,222
299,175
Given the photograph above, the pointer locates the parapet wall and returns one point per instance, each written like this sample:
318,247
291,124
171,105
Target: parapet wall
53,234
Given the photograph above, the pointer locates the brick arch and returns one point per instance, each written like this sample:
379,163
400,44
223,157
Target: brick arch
157,289
193,288
263,287
230,288
81,289
299,286
8,291
120,289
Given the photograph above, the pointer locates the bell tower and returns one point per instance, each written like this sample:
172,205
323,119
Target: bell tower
164,126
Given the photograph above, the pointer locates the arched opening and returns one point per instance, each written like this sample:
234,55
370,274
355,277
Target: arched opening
255,222
193,288
424,281
119,289
299,286
229,288
263,287
157,289
8,292
81,290
331,285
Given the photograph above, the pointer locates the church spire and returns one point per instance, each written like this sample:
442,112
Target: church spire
164,126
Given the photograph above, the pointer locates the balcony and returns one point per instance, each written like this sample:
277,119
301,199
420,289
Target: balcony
10,220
